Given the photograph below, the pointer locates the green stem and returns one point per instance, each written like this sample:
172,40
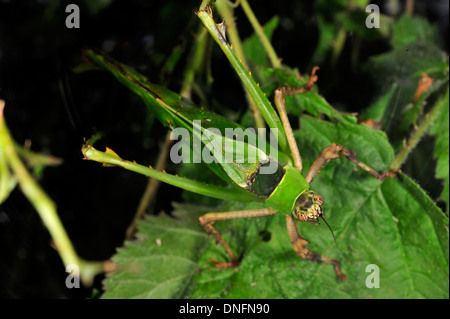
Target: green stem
338,45
151,189
109,157
415,137
45,207
227,13
197,60
205,4
259,30
267,111
35,159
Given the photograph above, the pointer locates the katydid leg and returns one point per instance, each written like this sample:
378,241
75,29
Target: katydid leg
299,245
209,219
280,104
332,152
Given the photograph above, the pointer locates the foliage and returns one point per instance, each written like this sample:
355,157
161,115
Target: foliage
395,224
392,224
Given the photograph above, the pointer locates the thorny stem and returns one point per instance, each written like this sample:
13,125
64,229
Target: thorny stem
257,95
276,63
45,207
417,134
110,158
193,67
151,189
227,14
197,59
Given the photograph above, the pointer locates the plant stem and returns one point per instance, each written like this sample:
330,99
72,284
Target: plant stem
205,4
338,45
267,110
45,207
409,7
415,137
197,60
151,188
262,36
109,157
35,159
227,14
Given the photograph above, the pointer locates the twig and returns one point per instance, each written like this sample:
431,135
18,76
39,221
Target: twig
227,13
151,189
276,63
45,207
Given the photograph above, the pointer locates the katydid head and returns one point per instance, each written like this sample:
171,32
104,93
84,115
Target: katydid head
308,207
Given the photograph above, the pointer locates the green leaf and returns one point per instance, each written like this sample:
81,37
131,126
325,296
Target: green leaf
413,30
378,110
327,28
311,102
440,130
392,224
163,259
152,94
338,19
414,52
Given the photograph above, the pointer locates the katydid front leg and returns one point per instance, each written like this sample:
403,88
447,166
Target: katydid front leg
329,153
298,243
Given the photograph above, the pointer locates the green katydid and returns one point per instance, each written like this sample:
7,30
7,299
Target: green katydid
285,190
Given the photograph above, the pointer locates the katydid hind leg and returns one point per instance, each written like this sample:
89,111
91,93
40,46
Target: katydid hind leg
207,221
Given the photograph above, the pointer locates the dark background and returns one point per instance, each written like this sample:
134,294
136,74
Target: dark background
49,105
